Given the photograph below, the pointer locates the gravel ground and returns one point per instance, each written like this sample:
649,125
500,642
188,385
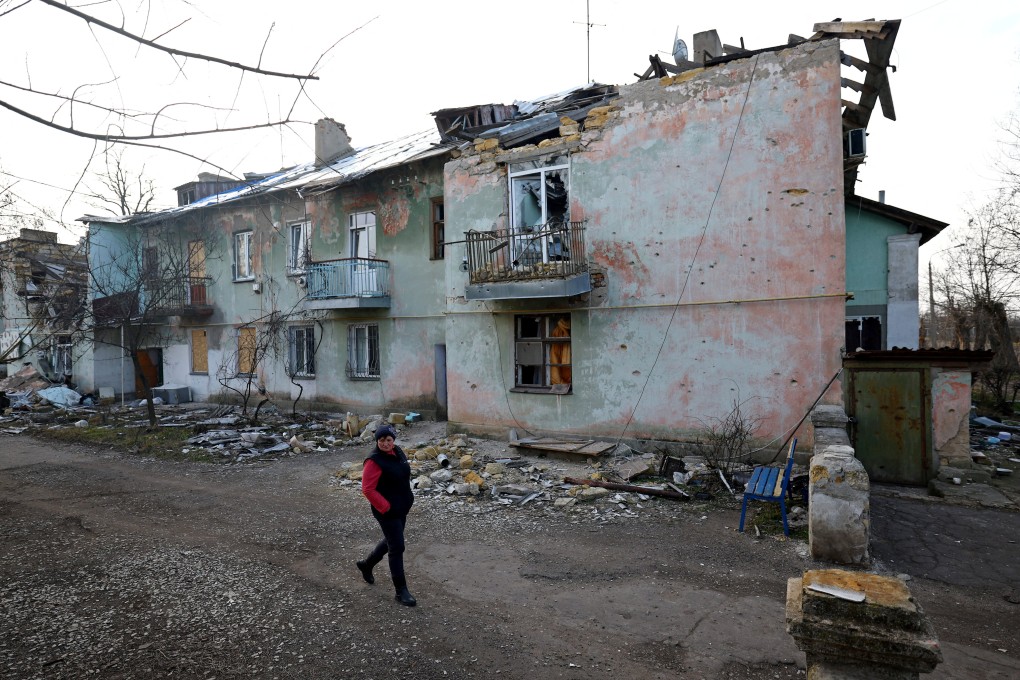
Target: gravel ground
113,566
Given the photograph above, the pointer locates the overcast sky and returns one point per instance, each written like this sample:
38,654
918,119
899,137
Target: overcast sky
956,81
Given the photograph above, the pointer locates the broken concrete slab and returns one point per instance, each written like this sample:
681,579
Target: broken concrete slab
975,494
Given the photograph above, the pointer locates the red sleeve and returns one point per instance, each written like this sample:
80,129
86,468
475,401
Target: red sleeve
369,478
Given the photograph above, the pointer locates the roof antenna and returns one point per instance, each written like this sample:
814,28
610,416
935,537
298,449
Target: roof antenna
588,24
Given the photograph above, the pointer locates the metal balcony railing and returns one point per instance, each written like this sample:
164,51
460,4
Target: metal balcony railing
348,277
545,251
178,296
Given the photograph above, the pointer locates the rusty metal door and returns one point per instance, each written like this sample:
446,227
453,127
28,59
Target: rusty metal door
891,427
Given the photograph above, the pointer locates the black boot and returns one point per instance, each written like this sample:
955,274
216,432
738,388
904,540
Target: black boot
366,571
405,597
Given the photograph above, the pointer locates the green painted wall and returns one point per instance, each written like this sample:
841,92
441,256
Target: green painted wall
867,256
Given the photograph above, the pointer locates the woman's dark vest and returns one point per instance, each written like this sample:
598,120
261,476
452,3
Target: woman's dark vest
395,481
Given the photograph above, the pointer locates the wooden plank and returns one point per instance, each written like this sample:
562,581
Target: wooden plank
596,448
583,448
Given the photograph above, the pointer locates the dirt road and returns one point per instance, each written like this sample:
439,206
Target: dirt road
117,567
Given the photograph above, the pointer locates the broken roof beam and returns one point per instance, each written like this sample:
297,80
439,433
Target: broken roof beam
854,30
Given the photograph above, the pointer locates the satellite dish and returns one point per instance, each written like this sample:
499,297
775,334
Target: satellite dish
679,48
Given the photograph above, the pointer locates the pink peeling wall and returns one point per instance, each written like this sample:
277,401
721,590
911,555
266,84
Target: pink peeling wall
951,397
723,192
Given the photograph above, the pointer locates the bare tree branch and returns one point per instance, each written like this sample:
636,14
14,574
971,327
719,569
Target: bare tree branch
135,138
170,50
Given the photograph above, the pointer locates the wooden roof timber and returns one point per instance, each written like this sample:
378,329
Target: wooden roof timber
879,38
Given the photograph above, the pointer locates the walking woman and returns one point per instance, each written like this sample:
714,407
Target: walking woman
386,483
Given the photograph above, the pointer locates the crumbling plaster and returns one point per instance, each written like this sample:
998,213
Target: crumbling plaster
751,149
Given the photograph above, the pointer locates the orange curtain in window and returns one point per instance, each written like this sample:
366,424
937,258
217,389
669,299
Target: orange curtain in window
559,354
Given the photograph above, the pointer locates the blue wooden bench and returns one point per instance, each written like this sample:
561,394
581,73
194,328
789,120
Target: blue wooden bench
769,484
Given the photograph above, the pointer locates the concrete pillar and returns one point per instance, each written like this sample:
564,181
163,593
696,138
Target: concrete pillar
902,312
839,515
859,626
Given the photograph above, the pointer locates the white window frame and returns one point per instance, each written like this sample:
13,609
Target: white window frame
242,252
544,247
363,361
302,351
361,236
298,247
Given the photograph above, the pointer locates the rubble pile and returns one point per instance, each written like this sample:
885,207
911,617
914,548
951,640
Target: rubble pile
453,471
618,483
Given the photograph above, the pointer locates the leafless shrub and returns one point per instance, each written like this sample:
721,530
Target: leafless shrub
727,440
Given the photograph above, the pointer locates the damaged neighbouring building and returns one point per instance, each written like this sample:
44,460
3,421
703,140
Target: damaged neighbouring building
642,259
42,292
321,283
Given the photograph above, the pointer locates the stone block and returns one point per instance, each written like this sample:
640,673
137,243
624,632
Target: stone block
829,416
466,462
472,477
839,519
886,635
486,144
494,468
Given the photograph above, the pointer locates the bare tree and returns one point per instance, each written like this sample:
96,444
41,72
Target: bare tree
144,275
125,191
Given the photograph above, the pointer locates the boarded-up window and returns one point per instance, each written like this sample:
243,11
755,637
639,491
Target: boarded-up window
245,350
199,352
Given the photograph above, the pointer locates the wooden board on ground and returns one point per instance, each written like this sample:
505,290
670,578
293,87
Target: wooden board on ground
588,447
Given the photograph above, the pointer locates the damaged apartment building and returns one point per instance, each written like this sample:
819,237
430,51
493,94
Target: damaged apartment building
643,259
321,283
42,291
610,261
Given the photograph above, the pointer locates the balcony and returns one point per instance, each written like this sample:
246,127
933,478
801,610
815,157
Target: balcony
183,296
347,283
546,262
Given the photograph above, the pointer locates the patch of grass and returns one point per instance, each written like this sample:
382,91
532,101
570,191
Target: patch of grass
153,442
769,521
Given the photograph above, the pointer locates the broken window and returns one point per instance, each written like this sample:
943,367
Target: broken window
243,264
863,332
363,351
542,352
298,252
540,211
60,355
199,351
438,229
246,350
302,351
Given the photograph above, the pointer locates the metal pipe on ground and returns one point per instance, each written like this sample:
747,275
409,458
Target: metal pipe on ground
651,491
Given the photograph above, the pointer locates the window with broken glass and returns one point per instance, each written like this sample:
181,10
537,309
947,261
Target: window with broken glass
363,351
60,355
542,359
302,351
298,249
438,229
243,263
540,211
863,332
